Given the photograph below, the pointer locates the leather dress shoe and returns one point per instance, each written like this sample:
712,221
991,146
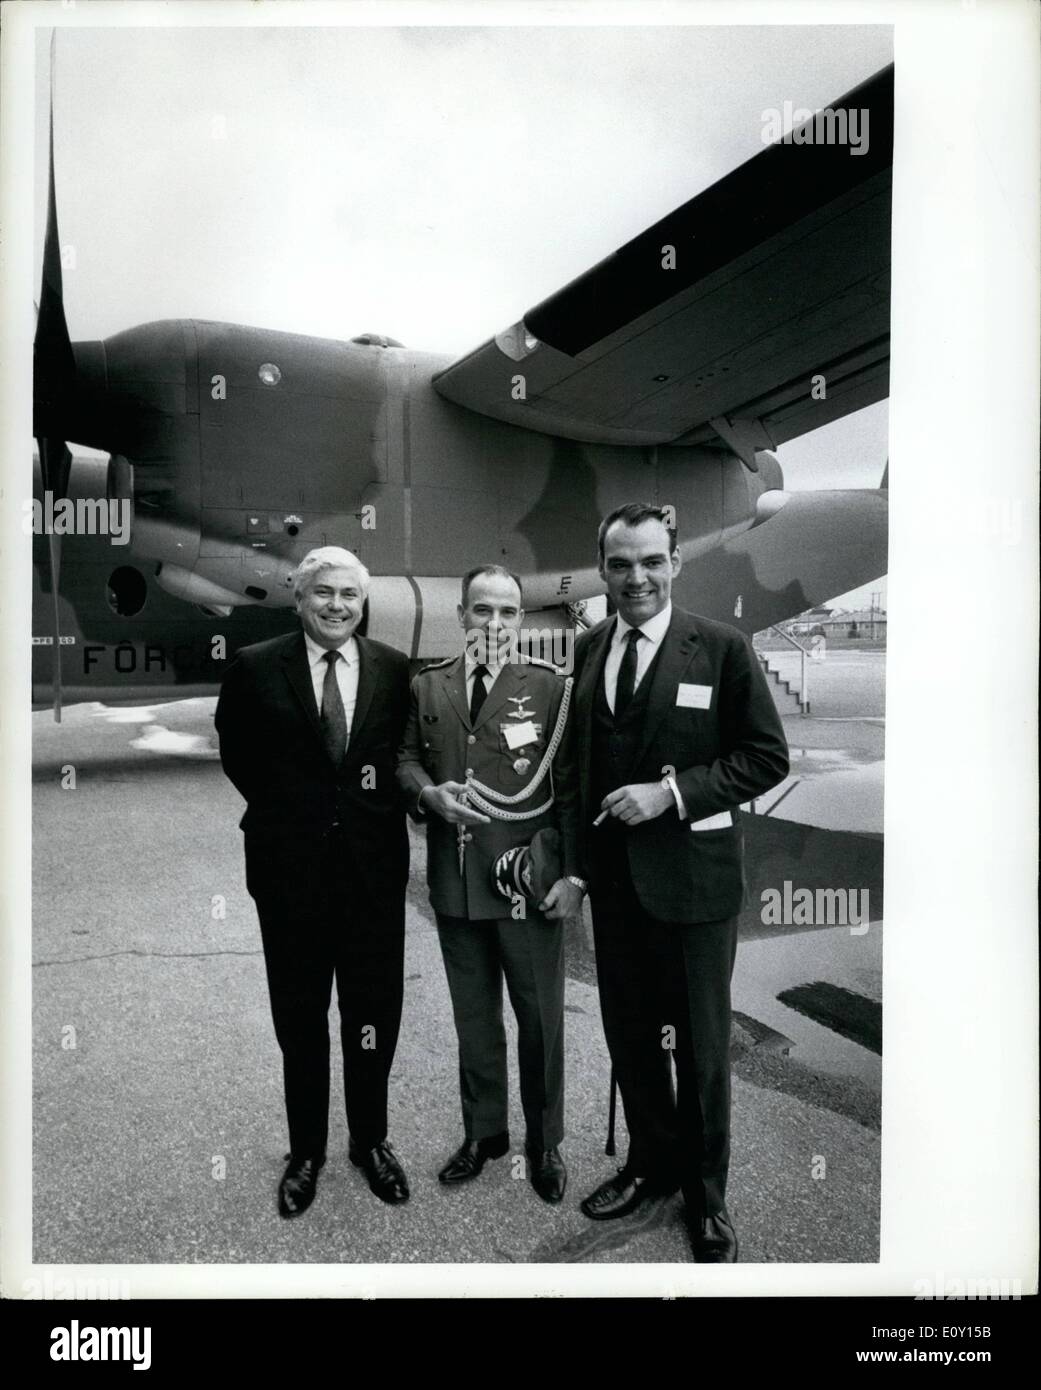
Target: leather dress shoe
713,1240
471,1156
620,1195
297,1188
385,1174
547,1174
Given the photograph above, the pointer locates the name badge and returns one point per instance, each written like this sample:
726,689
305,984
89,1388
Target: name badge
518,735
693,696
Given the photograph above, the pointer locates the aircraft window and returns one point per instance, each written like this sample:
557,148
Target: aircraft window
126,591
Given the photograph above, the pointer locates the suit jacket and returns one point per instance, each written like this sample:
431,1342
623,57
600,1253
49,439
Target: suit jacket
440,745
271,747
723,754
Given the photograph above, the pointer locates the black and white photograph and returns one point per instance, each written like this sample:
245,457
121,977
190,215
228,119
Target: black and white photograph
463,810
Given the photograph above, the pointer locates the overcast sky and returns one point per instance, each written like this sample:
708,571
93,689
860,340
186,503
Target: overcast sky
428,183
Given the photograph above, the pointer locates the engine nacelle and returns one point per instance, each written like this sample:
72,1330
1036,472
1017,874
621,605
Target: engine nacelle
194,588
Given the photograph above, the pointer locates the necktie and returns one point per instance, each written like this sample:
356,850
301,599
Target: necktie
334,719
478,693
626,673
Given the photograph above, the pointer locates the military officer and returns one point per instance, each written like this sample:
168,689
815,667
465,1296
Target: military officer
486,764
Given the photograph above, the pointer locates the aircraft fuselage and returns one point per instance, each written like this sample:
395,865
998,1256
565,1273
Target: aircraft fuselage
239,449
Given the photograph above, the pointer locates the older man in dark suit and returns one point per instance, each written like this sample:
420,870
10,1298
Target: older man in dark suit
675,728
309,728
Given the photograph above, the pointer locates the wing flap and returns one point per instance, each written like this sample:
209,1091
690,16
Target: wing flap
779,272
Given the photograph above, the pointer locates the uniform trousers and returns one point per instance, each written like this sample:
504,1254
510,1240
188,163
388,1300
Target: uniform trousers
665,999
530,954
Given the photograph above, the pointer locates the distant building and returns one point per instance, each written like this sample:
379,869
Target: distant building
839,627
859,623
808,624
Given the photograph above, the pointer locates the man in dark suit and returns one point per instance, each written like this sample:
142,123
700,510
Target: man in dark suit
675,728
309,728
483,729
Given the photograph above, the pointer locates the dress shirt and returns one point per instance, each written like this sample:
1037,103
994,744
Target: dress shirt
346,674
654,630
491,671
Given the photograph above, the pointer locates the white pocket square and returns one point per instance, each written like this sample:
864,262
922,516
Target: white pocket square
723,820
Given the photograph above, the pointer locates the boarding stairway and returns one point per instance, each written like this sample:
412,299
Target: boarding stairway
791,695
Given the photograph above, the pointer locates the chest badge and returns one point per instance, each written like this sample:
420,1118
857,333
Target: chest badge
521,766
520,712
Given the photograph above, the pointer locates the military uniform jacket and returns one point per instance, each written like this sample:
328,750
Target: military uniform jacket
441,746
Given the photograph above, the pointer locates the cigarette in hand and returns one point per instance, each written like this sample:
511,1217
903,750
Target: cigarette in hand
601,818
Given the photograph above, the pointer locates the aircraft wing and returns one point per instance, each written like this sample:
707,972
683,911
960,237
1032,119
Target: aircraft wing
779,272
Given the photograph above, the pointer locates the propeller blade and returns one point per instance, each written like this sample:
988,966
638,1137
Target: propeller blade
55,465
54,375
54,367
54,549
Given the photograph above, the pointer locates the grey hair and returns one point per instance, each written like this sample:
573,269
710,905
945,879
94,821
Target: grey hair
326,557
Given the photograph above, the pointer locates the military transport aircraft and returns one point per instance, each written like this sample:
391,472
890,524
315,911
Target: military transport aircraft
755,312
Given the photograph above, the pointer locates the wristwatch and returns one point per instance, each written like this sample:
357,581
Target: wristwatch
579,883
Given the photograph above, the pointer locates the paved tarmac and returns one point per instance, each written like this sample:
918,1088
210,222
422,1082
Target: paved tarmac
158,1122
